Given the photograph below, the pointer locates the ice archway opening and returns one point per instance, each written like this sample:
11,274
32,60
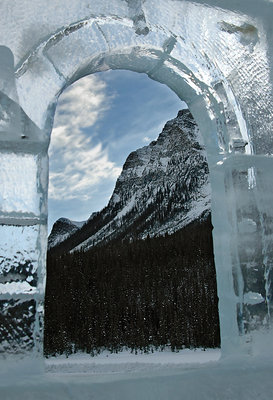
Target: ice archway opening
216,61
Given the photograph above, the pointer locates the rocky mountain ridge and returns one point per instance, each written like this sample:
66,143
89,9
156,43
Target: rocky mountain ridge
162,187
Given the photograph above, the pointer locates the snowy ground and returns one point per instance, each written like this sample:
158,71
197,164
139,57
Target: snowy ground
188,375
127,362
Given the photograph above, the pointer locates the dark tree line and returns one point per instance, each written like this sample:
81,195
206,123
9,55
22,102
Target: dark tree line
141,295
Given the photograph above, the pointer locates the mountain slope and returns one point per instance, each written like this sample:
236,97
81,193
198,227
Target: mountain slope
162,187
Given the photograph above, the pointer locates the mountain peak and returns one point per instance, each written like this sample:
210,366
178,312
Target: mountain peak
162,187
62,229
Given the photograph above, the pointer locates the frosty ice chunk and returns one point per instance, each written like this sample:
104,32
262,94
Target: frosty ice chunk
19,194
17,326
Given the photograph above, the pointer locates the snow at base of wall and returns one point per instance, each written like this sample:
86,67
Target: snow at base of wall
240,379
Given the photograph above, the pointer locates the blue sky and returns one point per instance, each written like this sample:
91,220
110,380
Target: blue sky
99,120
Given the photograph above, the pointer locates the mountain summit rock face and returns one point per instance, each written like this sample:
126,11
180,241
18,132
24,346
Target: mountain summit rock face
62,229
163,187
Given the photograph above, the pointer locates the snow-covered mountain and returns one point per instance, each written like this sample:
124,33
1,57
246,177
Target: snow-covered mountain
61,230
162,187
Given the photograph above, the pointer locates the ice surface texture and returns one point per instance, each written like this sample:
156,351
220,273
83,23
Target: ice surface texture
217,56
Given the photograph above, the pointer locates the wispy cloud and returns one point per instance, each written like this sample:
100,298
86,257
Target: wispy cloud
146,139
76,165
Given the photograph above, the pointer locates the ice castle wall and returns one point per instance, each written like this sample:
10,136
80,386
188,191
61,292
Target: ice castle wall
216,56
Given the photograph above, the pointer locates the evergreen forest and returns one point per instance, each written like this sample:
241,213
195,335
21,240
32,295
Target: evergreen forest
140,295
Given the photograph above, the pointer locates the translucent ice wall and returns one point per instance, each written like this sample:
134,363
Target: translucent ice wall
217,56
23,217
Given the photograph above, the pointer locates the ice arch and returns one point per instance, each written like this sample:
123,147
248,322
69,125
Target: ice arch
215,59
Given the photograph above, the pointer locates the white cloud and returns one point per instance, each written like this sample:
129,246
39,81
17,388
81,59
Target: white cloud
76,165
82,103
